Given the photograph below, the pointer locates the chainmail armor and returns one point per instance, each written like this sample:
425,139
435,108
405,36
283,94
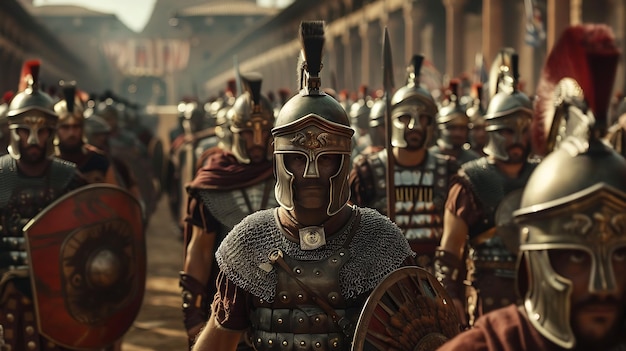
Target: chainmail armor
23,198
377,249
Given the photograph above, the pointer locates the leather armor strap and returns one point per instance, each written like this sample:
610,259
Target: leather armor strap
344,323
450,272
195,309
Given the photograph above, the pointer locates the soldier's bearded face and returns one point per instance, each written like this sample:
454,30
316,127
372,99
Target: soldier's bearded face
256,149
415,130
456,133
597,314
70,136
33,152
517,145
312,192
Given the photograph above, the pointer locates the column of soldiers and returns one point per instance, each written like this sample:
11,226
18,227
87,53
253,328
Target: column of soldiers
72,255
524,255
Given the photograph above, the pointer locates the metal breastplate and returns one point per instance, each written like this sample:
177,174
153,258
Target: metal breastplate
21,199
293,321
489,186
230,207
493,264
420,195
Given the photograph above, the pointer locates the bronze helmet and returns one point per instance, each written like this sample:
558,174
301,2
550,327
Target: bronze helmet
31,109
508,109
311,124
576,197
252,112
414,101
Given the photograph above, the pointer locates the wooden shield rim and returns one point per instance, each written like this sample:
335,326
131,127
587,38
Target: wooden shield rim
371,304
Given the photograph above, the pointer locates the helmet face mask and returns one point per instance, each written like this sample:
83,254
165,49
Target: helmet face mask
508,132
312,137
314,177
409,118
28,128
251,127
454,132
70,127
575,252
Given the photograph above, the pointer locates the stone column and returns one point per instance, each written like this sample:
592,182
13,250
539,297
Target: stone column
376,53
414,13
366,52
340,64
347,60
396,38
454,36
558,18
492,29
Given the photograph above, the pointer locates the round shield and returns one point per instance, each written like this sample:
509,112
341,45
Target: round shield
506,229
408,310
87,266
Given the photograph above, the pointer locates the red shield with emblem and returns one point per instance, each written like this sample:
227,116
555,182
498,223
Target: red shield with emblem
88,266
408,310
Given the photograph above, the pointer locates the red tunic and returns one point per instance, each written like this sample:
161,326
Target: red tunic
505,329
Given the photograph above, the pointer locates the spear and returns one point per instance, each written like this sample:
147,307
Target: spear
388,89
238,82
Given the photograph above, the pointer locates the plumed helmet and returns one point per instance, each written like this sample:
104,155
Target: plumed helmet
508,109
583,208
414,101
453,113
312,124
252,112
70,109
31,109
475,110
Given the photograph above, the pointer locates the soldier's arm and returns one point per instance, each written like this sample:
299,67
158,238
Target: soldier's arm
230,317
449,264
215,337
194,278
455,233
109,177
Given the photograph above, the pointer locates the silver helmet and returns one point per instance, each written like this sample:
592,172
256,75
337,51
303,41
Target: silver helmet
312,124
409,104
31,109
252,112
576,197
451,114
509,109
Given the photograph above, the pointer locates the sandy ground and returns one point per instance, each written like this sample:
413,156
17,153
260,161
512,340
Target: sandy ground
159,326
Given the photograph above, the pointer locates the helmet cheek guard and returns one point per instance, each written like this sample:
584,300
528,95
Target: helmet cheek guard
583,208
